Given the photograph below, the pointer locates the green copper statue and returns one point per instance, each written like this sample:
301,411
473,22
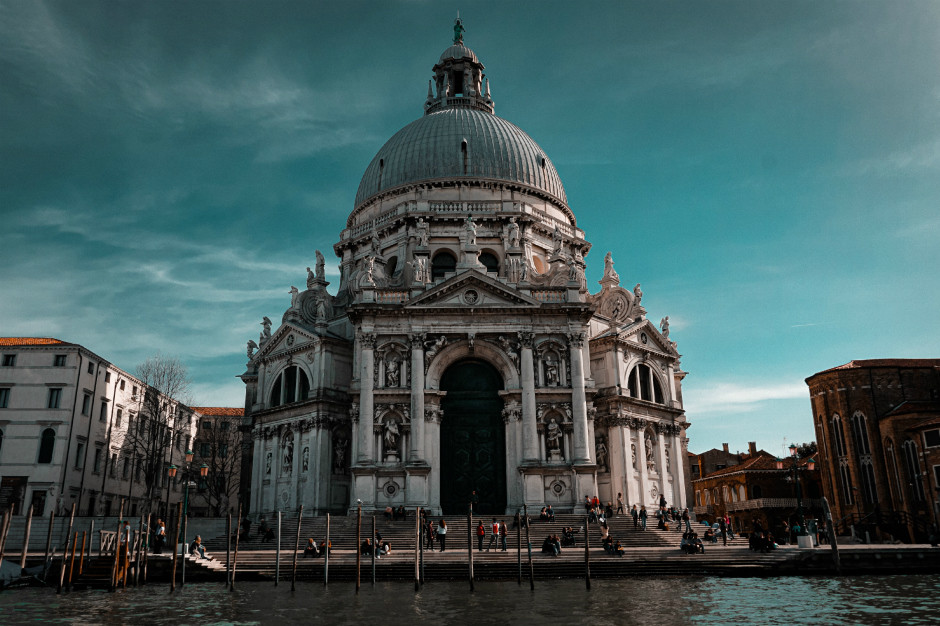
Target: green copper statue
458,30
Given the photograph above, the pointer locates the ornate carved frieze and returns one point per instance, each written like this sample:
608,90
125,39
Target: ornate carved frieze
354,412
367,340
527,339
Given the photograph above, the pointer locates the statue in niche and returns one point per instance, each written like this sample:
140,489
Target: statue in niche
321,265
252,346
551,373
619,309
664,327
523,271
638,293
578,255
266,330
267,464
557,242
339,456
306,458
294,296
375,244
650,461
633,454
600,453
510,349
391,436
512,233
392,373
666,459
423,233
553,435
471,229
370,270
288,463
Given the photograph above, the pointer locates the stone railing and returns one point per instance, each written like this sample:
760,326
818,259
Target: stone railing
770,503
391,297
553,295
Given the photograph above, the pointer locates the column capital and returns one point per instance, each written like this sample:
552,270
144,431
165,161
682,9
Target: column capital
527,339
367,340
417,340
576,340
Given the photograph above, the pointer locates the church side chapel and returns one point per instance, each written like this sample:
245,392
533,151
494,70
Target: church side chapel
463,350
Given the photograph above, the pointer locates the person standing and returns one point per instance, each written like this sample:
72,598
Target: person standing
442,534
160,539
643,517
503,531
722,528
620,504
494,534
429,531
481,533
687,521
636,517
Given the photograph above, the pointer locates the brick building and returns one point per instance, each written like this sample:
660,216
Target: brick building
878,430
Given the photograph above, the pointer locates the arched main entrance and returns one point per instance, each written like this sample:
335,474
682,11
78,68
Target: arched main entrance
473,439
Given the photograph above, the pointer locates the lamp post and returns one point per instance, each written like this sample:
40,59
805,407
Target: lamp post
203,471
794,472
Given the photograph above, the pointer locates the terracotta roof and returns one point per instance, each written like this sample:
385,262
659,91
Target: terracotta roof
762,461
862,363
29,341
219,411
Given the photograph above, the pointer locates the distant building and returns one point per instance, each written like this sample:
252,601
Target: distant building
878,430
219,443
71,432
754,488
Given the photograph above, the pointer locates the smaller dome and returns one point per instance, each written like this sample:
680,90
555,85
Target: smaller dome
458,51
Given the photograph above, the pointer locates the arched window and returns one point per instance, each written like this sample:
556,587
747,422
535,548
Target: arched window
443,263
46,446
291,385
860,434
644,385
912,465
391,266
490,261
863,451
838,436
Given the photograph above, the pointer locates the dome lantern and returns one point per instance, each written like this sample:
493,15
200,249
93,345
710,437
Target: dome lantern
459,78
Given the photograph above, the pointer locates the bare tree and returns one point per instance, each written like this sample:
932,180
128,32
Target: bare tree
161,419
219,446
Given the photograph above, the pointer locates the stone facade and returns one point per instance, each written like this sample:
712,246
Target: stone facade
878,431
462,256
65,415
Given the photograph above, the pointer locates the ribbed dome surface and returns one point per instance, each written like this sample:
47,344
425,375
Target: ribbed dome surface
458,51
430,149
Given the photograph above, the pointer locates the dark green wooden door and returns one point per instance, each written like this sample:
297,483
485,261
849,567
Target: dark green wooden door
473,441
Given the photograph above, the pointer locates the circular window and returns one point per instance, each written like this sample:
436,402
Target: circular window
391,489
471,296
290,340
558,488
643,338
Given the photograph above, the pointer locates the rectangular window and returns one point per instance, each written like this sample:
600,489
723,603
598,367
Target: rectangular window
137,471
223,450
4,398
205,450
9,360
223,426
86,404
117,419
125,470
103,415
97,465
113,469
107,377
189,440
79,455
135,390
91,367
207,425
932,438
59,360
55,395
122,385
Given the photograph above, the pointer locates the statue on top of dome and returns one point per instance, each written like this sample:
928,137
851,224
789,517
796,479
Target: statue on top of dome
320,266
609,272
459,30
471,229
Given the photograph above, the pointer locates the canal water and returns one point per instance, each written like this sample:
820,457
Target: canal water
790,600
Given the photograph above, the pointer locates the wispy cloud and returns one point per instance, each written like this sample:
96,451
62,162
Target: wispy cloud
732,397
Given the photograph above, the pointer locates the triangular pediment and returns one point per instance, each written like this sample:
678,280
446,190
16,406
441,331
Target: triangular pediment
288,337
655,341
472,289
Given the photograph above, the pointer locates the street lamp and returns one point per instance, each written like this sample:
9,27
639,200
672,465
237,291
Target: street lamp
794,472
203,471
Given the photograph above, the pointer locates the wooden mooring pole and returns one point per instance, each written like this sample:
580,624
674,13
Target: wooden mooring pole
238,527
176,541
139,549
72,559
519,549
277,552
374,548
587,554
417,548
81,558
5,524
831,534
470,545
65,554
326,556
115,568
528,541
29,526
300,517
358,544
228,550
45,562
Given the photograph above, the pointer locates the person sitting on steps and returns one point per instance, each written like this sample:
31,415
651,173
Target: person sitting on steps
311,549
197,549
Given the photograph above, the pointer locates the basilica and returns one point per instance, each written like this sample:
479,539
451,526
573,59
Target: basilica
464,356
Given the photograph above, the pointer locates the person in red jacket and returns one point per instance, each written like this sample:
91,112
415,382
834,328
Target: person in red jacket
494,535
481,533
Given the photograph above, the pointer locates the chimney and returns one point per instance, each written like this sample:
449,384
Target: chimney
724,447
752,447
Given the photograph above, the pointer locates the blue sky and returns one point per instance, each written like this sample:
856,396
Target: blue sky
769,171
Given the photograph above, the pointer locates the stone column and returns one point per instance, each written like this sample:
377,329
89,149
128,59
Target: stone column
663,470
417,398
581,452
640,427
298,466
530,452
257,469
629,468
678,480
366,400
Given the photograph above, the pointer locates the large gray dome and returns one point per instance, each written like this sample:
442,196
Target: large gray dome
432,148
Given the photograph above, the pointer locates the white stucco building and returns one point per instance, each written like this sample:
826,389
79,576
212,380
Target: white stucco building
463,350
65,415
